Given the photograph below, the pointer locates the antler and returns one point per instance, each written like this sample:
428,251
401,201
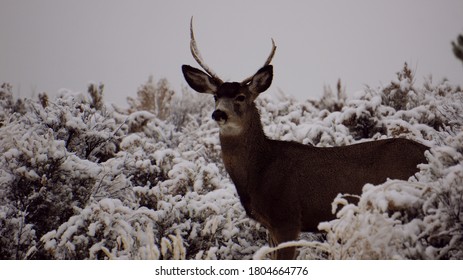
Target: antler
197,55
267,62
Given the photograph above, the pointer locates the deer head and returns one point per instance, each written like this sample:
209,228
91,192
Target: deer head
232,99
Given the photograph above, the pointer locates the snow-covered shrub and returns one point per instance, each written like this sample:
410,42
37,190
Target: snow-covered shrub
154,98
443,233
181,110
331,102
17,236
363,117
46,175
189,211
8,105
400,94
96,94
40,178
6,101
200,205
90,133
190,109
106,229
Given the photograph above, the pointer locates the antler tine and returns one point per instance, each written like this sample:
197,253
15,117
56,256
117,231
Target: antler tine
197,55
272,53
267,62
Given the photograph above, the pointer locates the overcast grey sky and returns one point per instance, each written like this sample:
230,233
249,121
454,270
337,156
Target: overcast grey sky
47,45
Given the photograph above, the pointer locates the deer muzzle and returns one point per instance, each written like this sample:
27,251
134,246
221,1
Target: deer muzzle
219,116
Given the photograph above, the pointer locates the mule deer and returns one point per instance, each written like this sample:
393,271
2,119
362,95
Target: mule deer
288,187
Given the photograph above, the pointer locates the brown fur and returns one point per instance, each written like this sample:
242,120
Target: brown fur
288,187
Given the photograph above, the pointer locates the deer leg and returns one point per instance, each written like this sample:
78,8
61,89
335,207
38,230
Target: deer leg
278,236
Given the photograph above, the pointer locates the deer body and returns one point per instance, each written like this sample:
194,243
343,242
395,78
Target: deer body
288,187
306,179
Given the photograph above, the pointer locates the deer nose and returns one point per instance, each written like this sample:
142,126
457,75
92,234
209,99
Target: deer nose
219,115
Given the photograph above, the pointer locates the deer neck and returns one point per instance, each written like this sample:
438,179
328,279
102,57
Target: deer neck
245,154
250,139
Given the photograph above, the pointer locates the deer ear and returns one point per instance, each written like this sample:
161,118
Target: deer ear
262,80
198,80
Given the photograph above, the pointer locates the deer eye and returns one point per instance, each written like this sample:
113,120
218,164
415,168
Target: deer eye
240,98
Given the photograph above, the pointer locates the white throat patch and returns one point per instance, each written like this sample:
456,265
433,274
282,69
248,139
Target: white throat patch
229,129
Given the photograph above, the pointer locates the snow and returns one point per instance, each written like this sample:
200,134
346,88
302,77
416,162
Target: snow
143,184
